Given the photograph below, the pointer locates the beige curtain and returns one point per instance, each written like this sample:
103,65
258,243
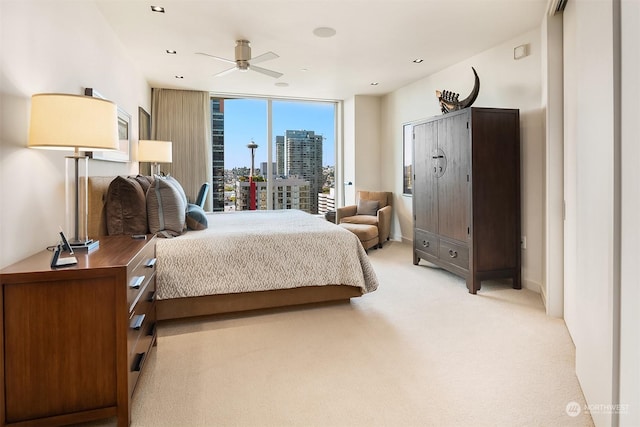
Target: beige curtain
184,118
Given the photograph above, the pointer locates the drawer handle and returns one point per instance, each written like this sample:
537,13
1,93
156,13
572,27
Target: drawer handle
137,363
453,254
136,322
136,282
152,296
150,263
426,243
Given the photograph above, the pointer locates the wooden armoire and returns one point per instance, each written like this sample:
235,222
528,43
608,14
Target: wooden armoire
466,194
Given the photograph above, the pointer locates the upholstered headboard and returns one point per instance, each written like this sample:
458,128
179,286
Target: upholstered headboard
98,187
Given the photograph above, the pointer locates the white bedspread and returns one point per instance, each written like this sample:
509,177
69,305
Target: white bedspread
259,250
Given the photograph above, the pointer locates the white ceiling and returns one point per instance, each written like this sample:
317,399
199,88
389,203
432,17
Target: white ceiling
375,41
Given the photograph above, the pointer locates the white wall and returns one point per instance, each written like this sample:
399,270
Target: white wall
630,256
590,203
505,83
362,146
552,104
59,47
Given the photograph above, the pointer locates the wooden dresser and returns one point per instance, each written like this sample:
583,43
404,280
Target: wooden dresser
466,194
75,339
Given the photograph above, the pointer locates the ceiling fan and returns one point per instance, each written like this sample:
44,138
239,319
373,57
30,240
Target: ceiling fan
243,56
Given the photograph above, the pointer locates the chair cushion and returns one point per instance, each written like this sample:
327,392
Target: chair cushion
360,219
367,207
383,197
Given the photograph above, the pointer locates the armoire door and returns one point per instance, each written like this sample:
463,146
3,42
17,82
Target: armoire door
454,183
425,192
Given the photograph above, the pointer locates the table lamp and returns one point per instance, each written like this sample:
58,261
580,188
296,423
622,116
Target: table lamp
155,152
77,123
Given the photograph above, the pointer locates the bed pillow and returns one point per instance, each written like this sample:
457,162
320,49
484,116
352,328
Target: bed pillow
126,207
196,217
145,182
367,207
166,208
178,187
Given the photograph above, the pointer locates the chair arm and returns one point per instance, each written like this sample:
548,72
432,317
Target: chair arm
345,211
384,223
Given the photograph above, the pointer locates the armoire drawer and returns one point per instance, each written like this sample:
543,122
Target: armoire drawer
454,253
426,242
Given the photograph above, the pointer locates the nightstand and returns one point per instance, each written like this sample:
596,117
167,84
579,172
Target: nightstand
75,339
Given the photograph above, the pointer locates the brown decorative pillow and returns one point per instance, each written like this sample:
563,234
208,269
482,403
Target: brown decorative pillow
126,207
145,182
367,207
166,208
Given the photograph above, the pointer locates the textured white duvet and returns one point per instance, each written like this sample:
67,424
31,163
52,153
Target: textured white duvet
261,250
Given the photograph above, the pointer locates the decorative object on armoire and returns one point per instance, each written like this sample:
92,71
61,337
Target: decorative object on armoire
79,124
467,214
449,100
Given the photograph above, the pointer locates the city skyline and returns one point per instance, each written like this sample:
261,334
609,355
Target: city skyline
245,120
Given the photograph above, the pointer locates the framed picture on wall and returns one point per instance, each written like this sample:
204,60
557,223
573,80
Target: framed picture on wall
144,124
123,153
407,159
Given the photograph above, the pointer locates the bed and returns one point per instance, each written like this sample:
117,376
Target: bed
250,260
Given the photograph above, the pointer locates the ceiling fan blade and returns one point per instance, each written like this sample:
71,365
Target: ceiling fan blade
271,73
264,57
227,71
217,57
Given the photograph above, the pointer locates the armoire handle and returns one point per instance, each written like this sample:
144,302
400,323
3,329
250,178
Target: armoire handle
453,254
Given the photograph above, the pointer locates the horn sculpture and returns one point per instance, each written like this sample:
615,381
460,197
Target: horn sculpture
449,100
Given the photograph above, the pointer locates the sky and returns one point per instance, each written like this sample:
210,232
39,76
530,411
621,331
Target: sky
246,120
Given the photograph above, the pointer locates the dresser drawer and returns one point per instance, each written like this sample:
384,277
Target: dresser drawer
141,334
139,273
425,242
142,318
454,253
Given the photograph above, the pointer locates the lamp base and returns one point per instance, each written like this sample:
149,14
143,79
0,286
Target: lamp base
88,246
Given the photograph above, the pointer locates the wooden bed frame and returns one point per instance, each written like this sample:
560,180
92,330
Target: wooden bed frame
178,308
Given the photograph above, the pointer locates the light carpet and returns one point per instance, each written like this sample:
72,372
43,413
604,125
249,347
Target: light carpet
420,351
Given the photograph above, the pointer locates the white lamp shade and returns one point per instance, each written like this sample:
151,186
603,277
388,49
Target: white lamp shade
154,151
62,121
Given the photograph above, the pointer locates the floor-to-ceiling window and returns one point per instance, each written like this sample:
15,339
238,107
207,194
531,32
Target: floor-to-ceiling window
289,146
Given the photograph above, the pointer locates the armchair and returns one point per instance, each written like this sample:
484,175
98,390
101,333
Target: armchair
372,208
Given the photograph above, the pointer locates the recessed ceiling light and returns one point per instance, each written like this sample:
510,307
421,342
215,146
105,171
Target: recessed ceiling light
374,83
171,51
324,32
282,84
158,9
418,61
179,77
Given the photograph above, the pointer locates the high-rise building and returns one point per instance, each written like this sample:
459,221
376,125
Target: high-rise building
217,143
288,193
299,154
326,202
263,169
